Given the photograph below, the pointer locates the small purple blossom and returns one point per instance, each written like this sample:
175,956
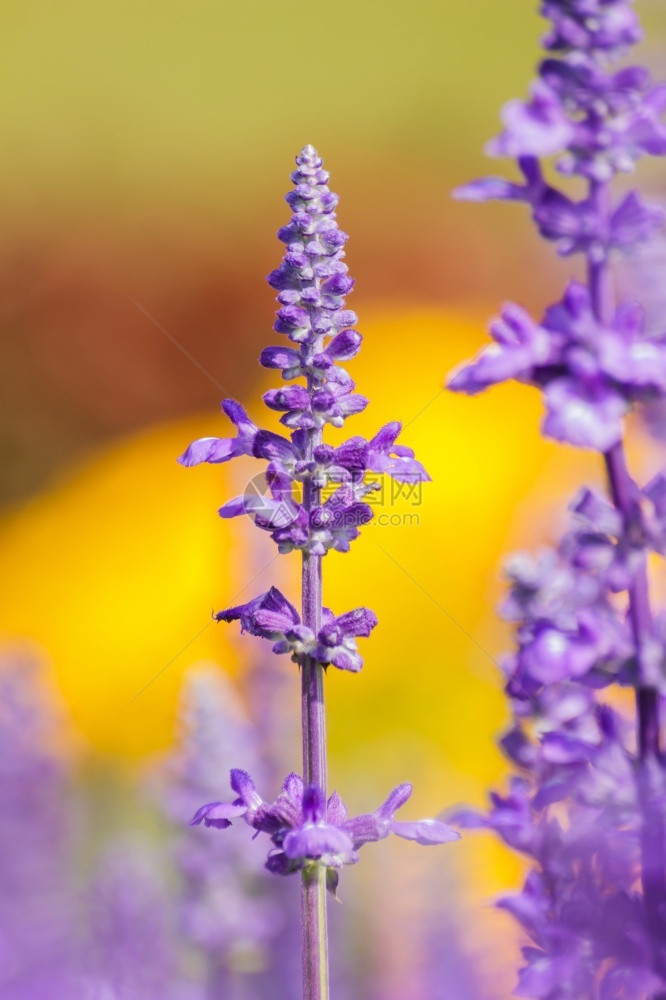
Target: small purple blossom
305,828
217,450
272,616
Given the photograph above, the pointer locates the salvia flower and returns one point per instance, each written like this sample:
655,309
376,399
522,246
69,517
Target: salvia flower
587,805
312,498
305,828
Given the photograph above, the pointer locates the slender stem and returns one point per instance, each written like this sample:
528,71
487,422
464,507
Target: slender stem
624,493
653,835
313,713
313,727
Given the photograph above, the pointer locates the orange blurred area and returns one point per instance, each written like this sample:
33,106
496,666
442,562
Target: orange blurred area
115,569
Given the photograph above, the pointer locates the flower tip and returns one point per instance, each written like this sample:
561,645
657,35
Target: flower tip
238,778
465,192
192,454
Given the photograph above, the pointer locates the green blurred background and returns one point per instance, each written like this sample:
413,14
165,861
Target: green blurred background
146,150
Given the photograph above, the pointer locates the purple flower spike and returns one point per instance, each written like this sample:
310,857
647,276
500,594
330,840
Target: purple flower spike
313,499
587,805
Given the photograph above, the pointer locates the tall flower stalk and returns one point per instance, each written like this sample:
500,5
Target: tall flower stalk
314,502
589,804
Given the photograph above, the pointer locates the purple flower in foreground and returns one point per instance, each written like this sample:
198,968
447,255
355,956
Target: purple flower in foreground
309,832
305,828
588,804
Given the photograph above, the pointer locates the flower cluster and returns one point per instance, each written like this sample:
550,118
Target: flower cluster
574,808
312,282
592,367
590,371
566,625
271,616
588,804
305,828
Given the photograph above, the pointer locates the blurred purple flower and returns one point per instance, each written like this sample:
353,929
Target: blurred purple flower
588,804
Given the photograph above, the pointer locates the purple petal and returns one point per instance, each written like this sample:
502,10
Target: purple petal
312,840
343,659
559,748
352,403
238,415
425,832
288,806
314,804
385,437
233,508
489,189
244,787
352,454
359,622
218,814
273,447
586,417
336,811
655,491
364,829
278,863
344,346
270,615
469,819
208,449
269,513
395,800
293,397
538,127
634,222
280,357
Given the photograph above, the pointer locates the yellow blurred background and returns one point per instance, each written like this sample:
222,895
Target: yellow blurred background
146,151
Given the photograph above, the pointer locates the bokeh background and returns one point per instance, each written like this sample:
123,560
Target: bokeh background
146,150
